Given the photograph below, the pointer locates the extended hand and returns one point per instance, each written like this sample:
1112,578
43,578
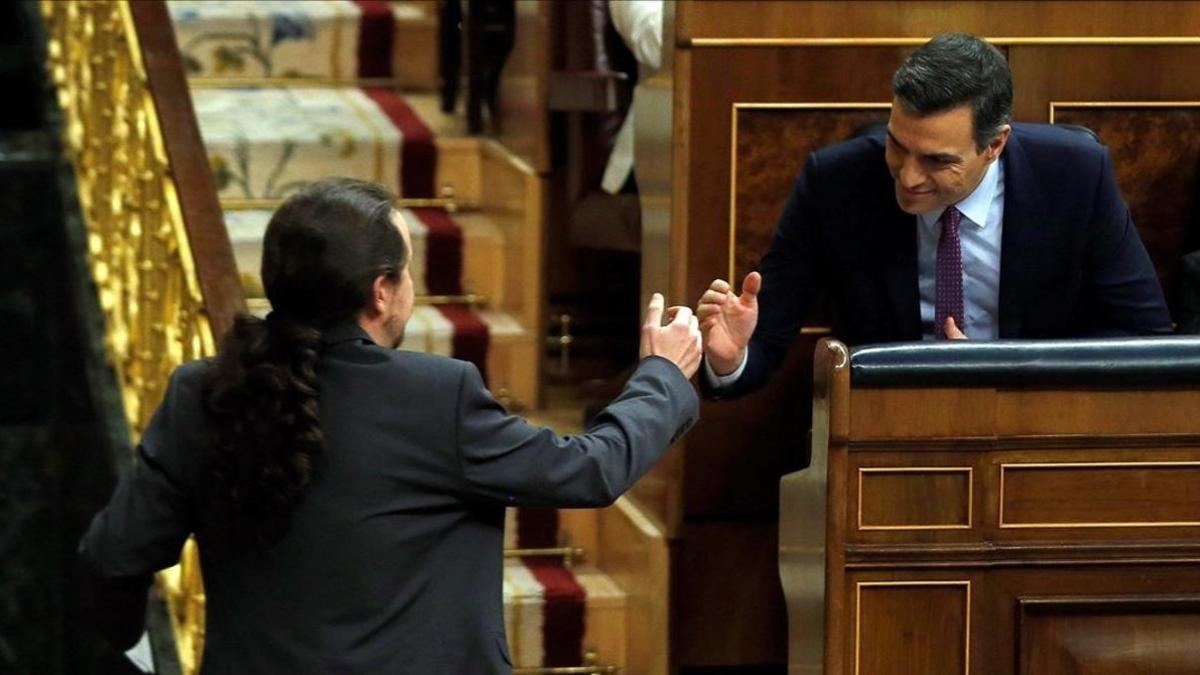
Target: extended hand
727,321
678,341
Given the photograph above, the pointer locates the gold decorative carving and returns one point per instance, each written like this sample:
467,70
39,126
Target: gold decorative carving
1034,466
965,583
137,242
969,471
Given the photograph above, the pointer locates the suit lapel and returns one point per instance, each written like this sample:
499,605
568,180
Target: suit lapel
1023,201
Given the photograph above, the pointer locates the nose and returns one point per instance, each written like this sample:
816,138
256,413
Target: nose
911,176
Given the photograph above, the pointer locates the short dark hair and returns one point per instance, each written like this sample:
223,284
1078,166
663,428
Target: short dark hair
956,69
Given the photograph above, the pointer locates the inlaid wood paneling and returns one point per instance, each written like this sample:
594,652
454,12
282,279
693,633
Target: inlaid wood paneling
1099,494
905,627
914,498
771,144
1109,635
1155,149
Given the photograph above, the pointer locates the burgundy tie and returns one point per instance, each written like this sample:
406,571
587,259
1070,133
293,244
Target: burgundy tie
949,273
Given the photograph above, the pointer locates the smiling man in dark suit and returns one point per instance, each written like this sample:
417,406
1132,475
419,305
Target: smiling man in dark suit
956,224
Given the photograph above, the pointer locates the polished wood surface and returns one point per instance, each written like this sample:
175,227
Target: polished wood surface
1060,635
634,553
912,627
1156,155
907,498
211,250
923,18
1072,542
1090,494
524,124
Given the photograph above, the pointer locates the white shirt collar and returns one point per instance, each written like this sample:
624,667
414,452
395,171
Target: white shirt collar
975,207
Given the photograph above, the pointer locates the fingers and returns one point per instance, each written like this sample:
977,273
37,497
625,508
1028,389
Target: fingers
713,297
720,286
751,286
952,331
654,311
681,314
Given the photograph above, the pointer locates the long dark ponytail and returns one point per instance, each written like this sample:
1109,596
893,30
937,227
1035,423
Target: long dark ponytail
322,251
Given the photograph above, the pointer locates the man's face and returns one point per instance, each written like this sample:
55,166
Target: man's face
401,298
933,158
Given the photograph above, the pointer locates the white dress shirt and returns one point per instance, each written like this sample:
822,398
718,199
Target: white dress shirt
980,236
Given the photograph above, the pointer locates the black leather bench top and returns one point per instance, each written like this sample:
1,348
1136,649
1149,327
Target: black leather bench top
1168,360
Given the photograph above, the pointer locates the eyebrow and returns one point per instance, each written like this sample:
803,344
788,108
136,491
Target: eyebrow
937,156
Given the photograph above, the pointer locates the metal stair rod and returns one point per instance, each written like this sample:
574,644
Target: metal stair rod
447,203
285,82
589,667
570,554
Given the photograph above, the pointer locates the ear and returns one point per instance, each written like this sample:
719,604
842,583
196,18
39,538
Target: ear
996,146
382,290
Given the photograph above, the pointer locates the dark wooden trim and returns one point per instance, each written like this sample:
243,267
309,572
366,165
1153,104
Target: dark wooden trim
211,249
991,555
1090,604
1048,442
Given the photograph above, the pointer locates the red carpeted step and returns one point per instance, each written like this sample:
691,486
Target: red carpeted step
443,252
375,31
418,153
564,606
470,335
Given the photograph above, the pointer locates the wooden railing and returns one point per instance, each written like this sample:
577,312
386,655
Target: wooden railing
160,256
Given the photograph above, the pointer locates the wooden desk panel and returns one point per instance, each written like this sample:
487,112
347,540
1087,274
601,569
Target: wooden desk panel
954,545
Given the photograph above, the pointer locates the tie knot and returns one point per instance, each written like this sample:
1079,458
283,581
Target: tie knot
952,217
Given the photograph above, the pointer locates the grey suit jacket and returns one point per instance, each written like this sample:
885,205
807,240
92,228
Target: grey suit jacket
392,563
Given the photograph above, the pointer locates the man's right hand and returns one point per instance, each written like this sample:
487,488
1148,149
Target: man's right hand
677,342
727,321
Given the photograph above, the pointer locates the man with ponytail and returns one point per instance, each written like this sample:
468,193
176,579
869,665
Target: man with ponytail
348,498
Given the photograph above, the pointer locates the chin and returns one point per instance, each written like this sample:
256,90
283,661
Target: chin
916,205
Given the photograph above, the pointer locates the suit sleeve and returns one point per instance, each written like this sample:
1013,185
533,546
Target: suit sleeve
793,274
506,459
1122,293
141,530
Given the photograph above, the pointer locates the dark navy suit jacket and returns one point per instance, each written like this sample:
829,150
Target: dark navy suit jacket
392,563
1071,261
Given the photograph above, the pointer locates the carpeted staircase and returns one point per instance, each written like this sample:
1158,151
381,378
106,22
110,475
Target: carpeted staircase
289,91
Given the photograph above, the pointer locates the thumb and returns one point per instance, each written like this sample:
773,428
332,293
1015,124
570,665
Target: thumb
654,311
751,286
